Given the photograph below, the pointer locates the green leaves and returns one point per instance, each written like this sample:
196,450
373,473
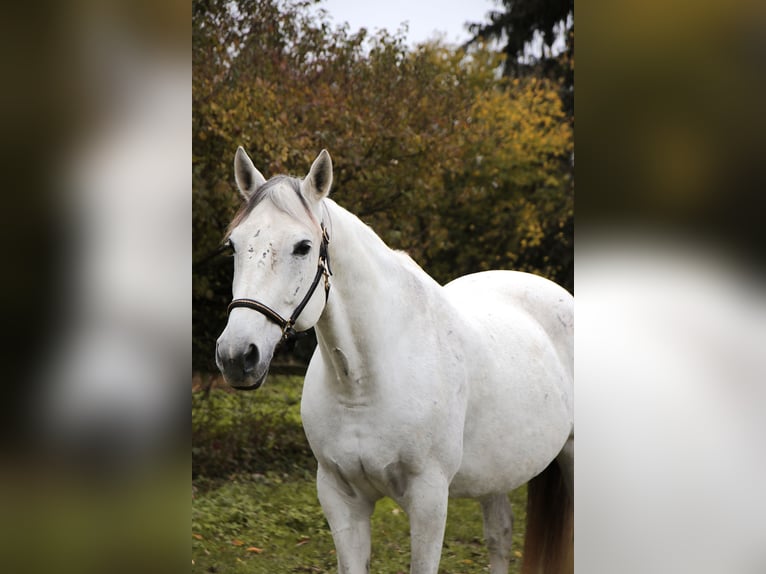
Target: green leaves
247,432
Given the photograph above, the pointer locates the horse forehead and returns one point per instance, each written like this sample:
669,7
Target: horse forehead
268,222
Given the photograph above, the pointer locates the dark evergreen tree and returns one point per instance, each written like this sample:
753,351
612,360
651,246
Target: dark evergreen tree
517,24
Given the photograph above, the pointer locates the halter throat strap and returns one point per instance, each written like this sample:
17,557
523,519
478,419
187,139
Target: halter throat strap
287,325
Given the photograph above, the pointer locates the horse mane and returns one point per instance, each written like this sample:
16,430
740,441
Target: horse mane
274,190
396,257
413,268
407,261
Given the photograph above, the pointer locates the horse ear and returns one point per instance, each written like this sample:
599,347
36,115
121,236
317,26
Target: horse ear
248,177
317,184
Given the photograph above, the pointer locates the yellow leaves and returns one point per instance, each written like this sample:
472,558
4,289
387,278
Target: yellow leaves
252,549
424,141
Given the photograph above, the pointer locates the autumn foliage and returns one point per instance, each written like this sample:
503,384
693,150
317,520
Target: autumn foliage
445,159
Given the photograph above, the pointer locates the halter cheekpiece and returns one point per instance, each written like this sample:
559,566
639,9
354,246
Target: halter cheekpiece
287,325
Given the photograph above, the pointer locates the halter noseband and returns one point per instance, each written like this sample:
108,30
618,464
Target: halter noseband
288,332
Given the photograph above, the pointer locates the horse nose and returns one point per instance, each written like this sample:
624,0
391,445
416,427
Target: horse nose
233,362
250,359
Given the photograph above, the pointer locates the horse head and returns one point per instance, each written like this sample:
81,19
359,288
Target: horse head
279,243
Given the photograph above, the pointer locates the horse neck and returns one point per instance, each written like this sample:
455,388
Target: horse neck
371,299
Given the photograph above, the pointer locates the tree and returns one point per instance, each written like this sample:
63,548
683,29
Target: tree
518,24
444,159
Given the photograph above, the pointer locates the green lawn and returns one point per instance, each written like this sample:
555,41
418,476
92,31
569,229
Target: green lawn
266,517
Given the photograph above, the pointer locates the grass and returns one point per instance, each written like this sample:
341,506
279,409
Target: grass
265,518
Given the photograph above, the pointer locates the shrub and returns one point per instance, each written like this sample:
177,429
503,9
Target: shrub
248,432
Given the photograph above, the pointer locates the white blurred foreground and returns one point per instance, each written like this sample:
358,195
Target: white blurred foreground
670,417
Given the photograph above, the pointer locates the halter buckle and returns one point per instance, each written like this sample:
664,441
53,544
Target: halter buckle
326,274
288,332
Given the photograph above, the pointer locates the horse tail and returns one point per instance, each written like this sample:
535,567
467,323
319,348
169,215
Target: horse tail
549,540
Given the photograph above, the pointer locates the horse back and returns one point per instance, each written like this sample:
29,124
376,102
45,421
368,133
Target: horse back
488,297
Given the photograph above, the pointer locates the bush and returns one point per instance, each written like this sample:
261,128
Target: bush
248,432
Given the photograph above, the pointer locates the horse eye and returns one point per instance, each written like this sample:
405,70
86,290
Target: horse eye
302,248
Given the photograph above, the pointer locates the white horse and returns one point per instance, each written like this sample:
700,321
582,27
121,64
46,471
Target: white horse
416,391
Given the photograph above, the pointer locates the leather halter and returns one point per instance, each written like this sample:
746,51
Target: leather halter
287,325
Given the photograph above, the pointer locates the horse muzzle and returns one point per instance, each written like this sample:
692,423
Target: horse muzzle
241,364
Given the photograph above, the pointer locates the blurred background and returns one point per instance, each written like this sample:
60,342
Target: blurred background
94,457
671,369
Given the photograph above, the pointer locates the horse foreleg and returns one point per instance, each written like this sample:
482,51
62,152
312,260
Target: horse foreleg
348,514
425,502
498,523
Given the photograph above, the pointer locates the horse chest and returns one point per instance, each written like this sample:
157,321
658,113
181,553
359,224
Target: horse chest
349,434
375,432
363,451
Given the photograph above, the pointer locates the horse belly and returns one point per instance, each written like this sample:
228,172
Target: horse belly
519,413
509,438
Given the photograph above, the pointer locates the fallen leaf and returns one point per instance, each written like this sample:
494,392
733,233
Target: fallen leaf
517,553
302,541
197,536
254,549
237,542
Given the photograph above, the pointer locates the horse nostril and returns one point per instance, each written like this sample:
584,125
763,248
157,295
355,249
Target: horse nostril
250,358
